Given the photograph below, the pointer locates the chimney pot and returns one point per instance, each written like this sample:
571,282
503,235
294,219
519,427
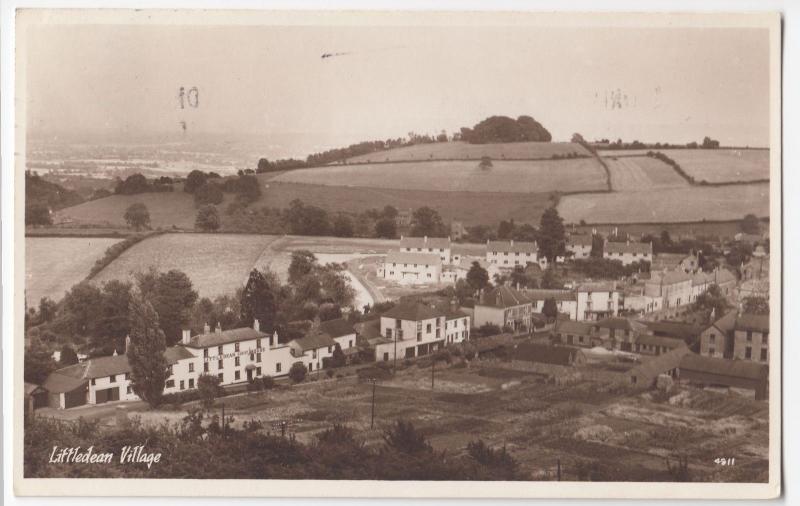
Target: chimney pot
256,325
186,336
218,328
127,343
206,328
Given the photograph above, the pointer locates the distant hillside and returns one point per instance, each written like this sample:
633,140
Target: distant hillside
42,196
465,151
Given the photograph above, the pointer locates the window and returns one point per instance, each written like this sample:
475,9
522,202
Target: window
400,334
437,333
749,336
258,371
428,328
258,343
765,338
219,350
236,362
92,381
127,375
329,349
313,353
236,375
220,376
712,338
205,352
191,382
112,378
763,354
183,386
419,336
236,347
191,366
219,364
130,390
169,384
205,366
258,357
712,351
169,370
748,353
389,333
278,367
350,344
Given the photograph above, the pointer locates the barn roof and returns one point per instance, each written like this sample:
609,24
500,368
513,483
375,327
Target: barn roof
685,331
620,324
724,367
545,354
726,323
224,337
369,328
59,383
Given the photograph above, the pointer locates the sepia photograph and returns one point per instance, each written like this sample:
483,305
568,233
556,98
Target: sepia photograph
513,250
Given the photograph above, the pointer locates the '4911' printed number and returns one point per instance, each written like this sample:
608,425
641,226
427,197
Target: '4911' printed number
721,461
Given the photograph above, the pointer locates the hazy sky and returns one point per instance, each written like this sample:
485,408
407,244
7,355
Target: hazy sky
673,85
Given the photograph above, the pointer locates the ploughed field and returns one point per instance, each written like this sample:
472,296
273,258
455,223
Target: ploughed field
670,205
54,264
712,165
642,173
464,150
625,435
579,174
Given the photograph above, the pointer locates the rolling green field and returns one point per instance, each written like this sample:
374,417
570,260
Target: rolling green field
167,210
217,264
671,205
54,264
711,165
581,174
642,173
463,150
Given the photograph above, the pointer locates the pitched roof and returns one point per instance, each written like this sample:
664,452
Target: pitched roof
668,277
314,341
544,294
701,278
573,327
512,246
724,367
225,337
669,342
504,297
580,240
414,311
723,276
597,286
628,247
660,364
666,261
620,324
683,330
726,323
546,354
177,353
425,242
368,329
337,328
58,383
757,322
402,257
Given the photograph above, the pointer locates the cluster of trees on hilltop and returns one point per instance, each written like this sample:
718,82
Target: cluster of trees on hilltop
137,183
708,143
505,129
42,197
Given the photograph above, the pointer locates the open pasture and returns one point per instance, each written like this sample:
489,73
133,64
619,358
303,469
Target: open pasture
54,264
642,173
671,205
217,264
581,174
710,165
466,151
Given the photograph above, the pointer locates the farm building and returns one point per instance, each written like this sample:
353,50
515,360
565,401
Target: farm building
709,371
548,354
504,307
751,338
440,246
645,374
584,334
411,267
509,254
689,332
656,345
580,245
628,252
623,332
717,340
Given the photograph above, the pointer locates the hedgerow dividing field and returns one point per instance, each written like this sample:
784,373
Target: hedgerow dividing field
54,264
711,165
463,150
217,264
580,174
642,173
671,205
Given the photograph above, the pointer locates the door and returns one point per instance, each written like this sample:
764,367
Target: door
75,398
249,375
106,395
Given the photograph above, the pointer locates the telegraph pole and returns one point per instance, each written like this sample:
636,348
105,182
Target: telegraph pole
223,420
372,422
433,363
394,369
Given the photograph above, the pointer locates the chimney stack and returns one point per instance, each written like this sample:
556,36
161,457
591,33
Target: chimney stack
273,341
218,329
512,243
206,328
186,336
256,325
127,343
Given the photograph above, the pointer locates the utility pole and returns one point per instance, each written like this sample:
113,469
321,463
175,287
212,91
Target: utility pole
433,363
372,422
394,369
223,420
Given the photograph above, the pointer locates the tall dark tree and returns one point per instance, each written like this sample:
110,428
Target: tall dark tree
750,224
47,309
427,222
38,363
172,296
113,323
80,306
386,228
342,226
137,216
755,305
712,299
209,193
597,246
260,299
552,236
551,279
68,356
207,218
302,264
550,309
194,180
146,352
477,277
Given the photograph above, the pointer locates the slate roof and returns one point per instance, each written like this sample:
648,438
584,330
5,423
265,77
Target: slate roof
504,297
723,276
543,294
414,311
628,247
666,261
724,367
598,286
512,246
314,341
620,324
580,240
727,322
226,336
337,328
669,277
425,242
59,383
669,342
368,329
546,354
573,327
402,257
701,278
757,322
